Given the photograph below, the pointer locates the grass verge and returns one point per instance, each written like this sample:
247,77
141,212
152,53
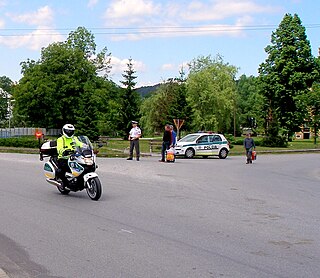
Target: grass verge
120,148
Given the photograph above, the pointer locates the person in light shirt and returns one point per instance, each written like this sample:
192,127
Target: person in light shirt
134,135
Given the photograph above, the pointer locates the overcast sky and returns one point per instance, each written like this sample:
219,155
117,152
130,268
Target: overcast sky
160,36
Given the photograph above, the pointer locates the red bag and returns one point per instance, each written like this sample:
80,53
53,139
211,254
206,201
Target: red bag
170,155
254,155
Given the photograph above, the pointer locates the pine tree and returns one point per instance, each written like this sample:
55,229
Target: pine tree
130,99
286,76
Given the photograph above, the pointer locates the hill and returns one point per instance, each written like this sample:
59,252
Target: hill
145,91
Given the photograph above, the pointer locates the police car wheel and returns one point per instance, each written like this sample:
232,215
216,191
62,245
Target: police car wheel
189,153
223,153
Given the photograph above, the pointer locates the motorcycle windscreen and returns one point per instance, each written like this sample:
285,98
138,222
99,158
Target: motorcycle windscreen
85,147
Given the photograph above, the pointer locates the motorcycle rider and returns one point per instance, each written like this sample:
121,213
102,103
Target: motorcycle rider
66,145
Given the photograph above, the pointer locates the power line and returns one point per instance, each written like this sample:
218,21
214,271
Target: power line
8,32
150,27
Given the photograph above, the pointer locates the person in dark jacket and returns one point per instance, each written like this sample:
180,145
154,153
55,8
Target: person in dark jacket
249,145
166,142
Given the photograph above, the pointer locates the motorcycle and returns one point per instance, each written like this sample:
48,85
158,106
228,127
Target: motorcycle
82,165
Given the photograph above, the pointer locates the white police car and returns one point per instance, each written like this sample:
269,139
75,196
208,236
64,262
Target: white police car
203,144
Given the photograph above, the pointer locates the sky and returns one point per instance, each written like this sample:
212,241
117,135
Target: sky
159,36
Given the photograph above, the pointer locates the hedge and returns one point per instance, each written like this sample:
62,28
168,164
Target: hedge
239,141
19,142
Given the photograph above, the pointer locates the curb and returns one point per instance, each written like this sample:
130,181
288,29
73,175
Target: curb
281,151
148,154
3,274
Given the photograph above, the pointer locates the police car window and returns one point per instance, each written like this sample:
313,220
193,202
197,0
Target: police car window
189,138
203,139
217,138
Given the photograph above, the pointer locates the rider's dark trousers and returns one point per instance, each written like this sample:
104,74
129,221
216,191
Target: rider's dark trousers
63,166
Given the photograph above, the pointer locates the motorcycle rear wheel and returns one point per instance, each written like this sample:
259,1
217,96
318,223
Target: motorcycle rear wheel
96,189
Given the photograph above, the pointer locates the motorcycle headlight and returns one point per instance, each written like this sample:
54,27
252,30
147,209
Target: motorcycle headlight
88,161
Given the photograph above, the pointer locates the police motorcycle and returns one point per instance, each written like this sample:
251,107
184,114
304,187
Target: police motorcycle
82,165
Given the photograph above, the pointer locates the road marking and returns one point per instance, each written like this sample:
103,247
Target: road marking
3,274
123,231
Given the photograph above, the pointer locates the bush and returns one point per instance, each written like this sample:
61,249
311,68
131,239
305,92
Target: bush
239,141
275,141
20,142
230,139
271,141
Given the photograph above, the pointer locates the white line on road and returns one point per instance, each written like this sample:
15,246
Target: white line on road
123,231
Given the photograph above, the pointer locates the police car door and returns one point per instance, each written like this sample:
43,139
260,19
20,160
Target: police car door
203,146
216,143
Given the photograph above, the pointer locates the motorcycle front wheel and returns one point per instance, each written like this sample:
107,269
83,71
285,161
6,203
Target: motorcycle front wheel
94,189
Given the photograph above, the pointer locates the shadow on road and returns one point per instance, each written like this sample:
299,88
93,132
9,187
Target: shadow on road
16,262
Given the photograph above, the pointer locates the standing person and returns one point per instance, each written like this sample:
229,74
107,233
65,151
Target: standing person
134,135
249,145
166,142
173,137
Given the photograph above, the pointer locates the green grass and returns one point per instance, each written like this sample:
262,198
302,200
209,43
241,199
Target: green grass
303,144
120,148
294,145
18,150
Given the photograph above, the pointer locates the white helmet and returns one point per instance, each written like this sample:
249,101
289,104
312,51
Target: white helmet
68,130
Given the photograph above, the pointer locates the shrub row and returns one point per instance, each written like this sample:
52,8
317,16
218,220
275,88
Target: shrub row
239,141
20,142
31,142
276,141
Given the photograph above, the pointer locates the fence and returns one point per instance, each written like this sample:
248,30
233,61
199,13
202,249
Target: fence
26,131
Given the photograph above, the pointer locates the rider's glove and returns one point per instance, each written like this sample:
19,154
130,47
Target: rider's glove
68,152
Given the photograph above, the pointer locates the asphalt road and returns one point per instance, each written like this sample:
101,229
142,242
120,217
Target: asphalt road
194,218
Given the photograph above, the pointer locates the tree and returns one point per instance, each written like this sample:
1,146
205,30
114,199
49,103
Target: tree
3,105
211,93
249,102
313,104
130,99
108,102
286,76
49,92
84,40
167,103
6,85
61,87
